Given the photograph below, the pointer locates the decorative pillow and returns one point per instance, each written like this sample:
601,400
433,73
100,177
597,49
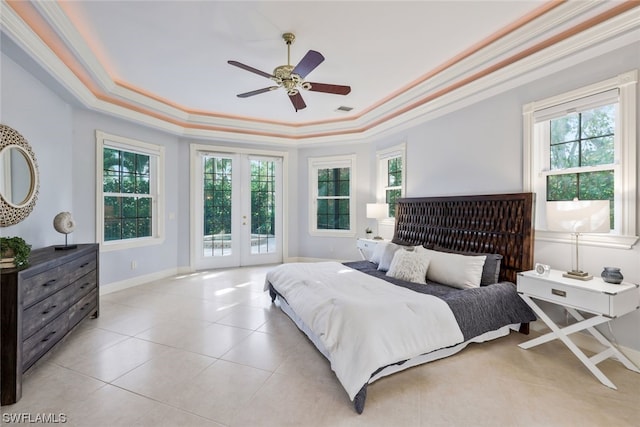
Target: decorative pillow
411,266
459,271
387,256
491,268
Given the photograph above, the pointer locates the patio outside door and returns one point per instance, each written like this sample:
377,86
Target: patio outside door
239,205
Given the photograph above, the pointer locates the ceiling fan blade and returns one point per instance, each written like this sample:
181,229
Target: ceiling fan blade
297,101
257,92
307,64
323,87
251,69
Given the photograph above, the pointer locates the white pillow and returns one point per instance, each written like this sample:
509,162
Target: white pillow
411,266
459,271
387,256
378,250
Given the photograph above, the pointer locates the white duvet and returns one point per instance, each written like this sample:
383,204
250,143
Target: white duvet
363,322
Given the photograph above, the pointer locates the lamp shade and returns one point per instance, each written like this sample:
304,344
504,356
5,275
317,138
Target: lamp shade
377,210
578,216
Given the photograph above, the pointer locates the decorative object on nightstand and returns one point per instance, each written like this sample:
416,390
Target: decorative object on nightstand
542,269
64,223
377,211
603,300
612,275
578,216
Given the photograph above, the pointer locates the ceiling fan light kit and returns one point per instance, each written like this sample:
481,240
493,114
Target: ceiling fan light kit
291,78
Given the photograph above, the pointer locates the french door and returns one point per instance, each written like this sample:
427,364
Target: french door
238,210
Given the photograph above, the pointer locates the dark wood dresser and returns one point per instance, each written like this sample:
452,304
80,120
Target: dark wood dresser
40,305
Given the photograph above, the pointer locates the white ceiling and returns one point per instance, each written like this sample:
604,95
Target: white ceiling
168,59
178,50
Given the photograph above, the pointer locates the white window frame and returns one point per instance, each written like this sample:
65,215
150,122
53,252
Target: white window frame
316,163
382,158
536,160
156,189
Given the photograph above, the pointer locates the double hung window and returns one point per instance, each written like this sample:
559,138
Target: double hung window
332,210
129,191
391,176
581,145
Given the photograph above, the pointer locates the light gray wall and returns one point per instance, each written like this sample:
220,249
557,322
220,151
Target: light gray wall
44,120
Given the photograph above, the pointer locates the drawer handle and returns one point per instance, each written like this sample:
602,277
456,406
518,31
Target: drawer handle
49,309
85,306
50,282
559,293
85,264
85,285
48,337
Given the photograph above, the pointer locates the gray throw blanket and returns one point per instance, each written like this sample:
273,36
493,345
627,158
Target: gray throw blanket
477,310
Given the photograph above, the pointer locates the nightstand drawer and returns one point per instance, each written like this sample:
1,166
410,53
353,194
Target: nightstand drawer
597,302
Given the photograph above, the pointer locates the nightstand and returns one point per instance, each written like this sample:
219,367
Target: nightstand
604,300
366,247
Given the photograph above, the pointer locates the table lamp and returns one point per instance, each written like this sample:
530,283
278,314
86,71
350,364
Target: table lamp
377,211
576,217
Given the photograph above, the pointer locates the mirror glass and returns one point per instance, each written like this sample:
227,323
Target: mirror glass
19,184
16,172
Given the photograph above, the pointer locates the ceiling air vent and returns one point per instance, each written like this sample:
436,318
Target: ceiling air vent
345,109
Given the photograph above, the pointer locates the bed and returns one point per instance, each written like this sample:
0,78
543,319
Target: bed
444,281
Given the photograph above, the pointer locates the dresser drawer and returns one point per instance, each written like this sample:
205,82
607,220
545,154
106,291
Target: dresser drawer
38,315
81,266
82,308
84,285
40,286
38,344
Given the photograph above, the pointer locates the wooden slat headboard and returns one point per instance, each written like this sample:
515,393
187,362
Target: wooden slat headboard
496,223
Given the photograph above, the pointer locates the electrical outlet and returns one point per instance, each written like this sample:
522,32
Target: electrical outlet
134,265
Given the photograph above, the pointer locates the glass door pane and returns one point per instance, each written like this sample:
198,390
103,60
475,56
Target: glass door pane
217,206
263,206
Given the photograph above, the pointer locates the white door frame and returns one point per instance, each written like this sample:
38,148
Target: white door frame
194,158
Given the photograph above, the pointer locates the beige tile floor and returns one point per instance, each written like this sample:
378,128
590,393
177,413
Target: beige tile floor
209,349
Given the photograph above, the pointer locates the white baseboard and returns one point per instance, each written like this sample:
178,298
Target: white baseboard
139,280
587,342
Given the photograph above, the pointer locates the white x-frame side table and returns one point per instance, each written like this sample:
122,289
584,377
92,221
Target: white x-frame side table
606,301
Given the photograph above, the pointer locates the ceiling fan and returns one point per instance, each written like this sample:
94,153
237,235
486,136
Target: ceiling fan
291,78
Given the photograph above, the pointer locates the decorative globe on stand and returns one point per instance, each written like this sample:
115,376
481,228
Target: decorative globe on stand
65,224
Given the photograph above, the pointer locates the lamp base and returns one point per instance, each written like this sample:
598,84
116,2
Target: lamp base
578,275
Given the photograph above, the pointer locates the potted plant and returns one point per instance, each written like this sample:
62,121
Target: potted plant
14,252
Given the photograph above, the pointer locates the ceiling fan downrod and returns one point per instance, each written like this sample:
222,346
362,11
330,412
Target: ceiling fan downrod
288,39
